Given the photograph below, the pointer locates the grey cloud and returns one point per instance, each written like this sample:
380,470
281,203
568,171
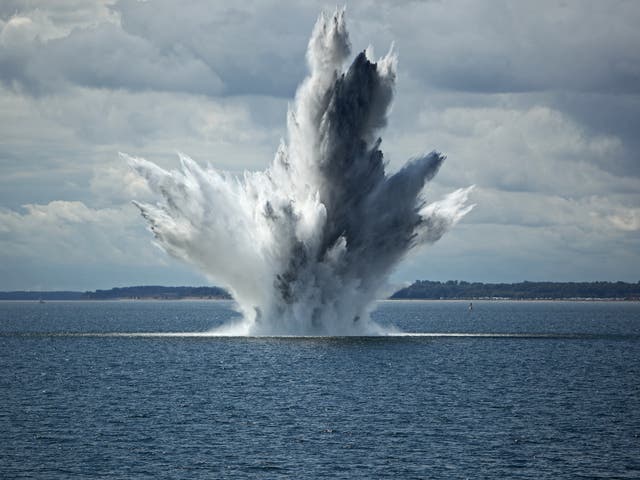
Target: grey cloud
33,187
613,214
578,58
19,273
203,47
27,273
250,58
617,115
69,231
535,149
56,147
512,253
520,46
198,48
67,12
103,57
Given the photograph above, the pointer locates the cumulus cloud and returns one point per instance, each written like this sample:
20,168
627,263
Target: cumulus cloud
103,56
608,216
626,219
196,48
143,118
536,149
72,232
513,253
465,46
513,47
69,245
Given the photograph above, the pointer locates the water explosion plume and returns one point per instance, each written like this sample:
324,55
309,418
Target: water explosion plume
307,245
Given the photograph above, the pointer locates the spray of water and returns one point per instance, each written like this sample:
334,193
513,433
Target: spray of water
306,246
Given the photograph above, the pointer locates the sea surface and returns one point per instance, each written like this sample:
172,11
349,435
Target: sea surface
512,390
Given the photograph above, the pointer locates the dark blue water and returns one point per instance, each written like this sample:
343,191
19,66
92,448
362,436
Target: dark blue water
565,405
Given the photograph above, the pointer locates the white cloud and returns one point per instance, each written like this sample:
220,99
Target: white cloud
536,149
97,56
72,233
626,219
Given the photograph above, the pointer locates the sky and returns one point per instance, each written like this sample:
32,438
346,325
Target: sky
535,103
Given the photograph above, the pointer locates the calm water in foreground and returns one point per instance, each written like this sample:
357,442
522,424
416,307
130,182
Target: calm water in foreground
560,402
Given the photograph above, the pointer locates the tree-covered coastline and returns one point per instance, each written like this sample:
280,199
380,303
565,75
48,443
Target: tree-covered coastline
146,292
419,290
461,290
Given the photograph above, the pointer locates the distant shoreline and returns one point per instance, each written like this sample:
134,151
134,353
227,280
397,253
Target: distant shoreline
390,300
510,300
420,290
